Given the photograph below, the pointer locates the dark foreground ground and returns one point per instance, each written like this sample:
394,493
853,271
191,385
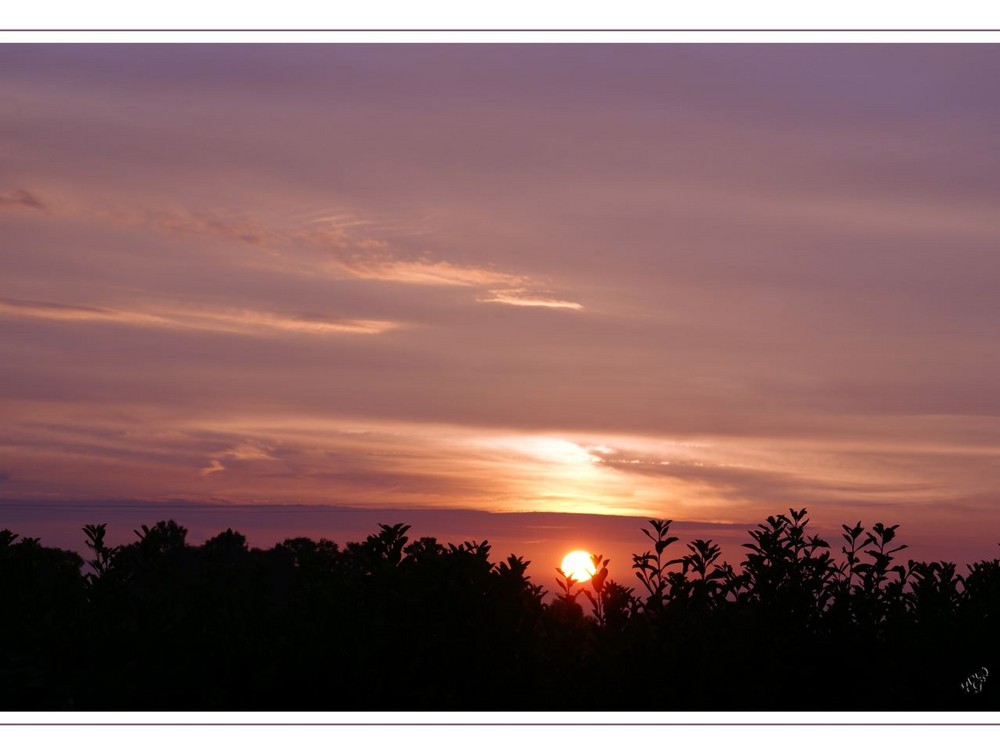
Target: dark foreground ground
392,624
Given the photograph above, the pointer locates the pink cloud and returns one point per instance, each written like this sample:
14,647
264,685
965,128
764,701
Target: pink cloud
19,198
176,317
521,297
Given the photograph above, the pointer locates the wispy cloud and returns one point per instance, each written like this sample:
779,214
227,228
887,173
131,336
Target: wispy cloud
375,259
21,198
202,223
423,272
242,230
341,245
237,321
212,468
250,450
71,313
522,297
516,290
248,321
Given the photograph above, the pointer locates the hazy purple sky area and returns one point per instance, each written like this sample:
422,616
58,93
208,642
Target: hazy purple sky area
698,282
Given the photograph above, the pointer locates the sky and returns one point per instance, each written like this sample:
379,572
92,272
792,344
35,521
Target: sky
470,285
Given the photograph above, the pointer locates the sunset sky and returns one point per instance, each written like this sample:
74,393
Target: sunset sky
696,282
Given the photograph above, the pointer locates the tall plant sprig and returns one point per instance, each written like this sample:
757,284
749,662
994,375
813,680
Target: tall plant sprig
650,567
598,584
103,555
566,584
875,573
710,579
852,536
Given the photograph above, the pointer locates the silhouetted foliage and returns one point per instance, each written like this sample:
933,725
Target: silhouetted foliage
391,623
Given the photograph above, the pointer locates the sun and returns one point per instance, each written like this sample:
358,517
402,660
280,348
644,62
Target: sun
578,565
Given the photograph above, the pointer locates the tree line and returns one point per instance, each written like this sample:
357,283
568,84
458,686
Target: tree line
392,623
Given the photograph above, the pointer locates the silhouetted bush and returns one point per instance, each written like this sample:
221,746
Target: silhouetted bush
394,624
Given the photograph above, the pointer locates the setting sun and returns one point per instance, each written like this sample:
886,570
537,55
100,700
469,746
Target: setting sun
578,565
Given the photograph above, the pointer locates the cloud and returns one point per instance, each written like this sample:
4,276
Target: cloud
369,258
521,297
517,289
337,249
237,321
249,321
215,466
67,312
423,272
786,476
250,450
345,246
21,198
179,223
203,223
361,257
744,481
